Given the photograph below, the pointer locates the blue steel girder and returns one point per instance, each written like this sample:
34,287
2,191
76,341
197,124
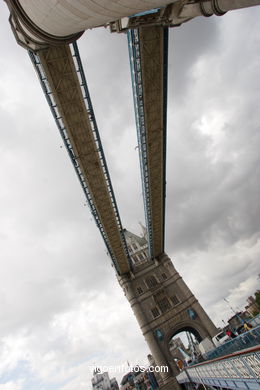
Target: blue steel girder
118,250
148,52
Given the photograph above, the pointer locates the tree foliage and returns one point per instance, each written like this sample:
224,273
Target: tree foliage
257,298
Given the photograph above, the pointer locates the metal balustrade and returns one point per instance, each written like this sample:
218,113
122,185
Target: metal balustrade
244,340
240,370
92,118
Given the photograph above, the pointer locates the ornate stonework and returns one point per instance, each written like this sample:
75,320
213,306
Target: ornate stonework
164,305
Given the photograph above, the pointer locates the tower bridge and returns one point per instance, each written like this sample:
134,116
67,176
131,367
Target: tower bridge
160,299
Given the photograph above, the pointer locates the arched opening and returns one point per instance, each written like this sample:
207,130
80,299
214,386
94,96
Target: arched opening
183,346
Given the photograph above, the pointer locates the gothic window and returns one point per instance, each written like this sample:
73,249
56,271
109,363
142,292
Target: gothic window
141,256
155,312
175,300
144,255
135,258
164,305
139,290
151,281
134,246
164,276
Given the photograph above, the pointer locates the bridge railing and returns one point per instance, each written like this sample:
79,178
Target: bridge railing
240,370
94,127
244,340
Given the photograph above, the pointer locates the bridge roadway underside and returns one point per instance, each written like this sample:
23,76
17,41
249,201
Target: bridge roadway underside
63,80
154,80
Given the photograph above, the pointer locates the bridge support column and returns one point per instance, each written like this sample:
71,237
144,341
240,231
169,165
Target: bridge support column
164,306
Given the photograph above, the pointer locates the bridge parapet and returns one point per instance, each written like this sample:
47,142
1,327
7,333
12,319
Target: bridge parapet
245,340
240,370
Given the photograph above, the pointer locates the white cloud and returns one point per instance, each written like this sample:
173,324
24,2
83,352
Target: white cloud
11,385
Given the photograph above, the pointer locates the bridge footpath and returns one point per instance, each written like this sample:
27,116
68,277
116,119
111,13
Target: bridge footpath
239,370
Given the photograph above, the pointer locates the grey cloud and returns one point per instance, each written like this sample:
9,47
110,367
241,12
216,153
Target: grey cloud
208,197
187,44
57,285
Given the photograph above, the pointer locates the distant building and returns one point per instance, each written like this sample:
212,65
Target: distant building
176,347
130,379
153,364
176,343
151,360
114,384
252,308
137,246
237,320
101,381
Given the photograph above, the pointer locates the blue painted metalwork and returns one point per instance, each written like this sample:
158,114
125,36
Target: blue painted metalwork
90,110
136,75
151,11
62,129
245,340
237,371
255,321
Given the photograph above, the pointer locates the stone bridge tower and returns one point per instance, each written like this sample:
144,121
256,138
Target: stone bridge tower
162,303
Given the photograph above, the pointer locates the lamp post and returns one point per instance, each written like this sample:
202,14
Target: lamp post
237,315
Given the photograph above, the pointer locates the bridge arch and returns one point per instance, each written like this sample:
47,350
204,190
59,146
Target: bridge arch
194,327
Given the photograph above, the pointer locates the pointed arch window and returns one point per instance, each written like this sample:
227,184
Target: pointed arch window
151,281
155,312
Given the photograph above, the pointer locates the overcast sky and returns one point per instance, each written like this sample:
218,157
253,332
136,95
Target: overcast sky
61,308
